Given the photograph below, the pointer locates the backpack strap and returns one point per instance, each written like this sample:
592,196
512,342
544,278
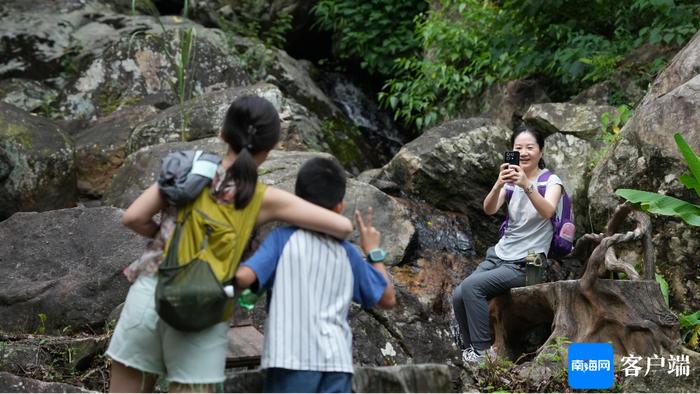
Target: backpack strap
205,164
542,181
509,192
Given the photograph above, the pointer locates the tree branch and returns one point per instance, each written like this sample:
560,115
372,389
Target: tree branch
600,257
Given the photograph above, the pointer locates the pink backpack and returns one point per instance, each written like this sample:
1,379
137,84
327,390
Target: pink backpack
562,221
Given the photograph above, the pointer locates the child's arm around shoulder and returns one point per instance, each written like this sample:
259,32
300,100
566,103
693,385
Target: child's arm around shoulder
284,206
369,239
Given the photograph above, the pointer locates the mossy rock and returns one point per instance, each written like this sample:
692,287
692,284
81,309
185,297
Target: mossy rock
37,164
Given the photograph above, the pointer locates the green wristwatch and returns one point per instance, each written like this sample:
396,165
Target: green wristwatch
376,255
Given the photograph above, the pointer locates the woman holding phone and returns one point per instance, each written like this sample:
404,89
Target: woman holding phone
529,229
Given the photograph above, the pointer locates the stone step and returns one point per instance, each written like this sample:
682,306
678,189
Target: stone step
245,345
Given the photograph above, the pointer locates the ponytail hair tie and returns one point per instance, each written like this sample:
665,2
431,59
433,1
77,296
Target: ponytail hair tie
249,147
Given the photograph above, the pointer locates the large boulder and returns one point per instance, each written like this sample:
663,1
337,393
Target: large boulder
301,128
441,254
572,159
101,149
37,165
26,94
451,166
143,67
63,268
583,121
682,68
340,131
10,383
36,36
417,378
291,76
506,102
647,158
206,116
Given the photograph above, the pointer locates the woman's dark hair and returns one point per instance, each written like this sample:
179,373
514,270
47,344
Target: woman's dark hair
523,128
251,126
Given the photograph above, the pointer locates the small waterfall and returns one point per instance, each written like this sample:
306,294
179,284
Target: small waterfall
375,124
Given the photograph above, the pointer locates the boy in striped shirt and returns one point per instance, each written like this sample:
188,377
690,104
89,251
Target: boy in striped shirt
313,279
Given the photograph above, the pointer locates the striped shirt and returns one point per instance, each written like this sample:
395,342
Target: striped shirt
313,279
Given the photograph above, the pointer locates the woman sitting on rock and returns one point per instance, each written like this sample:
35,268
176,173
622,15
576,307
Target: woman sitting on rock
529,229
144,346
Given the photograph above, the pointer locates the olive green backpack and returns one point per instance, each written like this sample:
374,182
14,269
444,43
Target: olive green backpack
201,256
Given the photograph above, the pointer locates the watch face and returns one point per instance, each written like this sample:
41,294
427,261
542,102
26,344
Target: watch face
376,255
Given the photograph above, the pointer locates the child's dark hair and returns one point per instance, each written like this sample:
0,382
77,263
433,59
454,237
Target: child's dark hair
523,128
322,182
251,126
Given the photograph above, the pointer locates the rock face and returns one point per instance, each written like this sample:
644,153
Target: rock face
64,264
101,149
301,128
25,94
37,165
37,36
507,102
583,121
452,166
341,132
10,383
647,158
418,378
683,67
137,68
206,115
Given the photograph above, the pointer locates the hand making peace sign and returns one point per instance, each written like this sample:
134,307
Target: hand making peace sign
369,236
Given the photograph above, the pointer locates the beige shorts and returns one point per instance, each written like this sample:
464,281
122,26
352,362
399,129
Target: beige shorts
141,340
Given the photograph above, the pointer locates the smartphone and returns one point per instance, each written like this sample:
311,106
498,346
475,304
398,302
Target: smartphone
511,157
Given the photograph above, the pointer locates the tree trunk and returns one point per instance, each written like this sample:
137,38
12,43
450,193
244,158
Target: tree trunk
630,314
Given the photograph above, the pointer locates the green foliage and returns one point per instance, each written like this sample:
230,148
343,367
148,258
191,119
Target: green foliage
49,106
41,328
611,127
663,284
111,97
70,67
665,205
690,329
181,61
276,36
496,374
245,21
493,374
471,44
373,32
